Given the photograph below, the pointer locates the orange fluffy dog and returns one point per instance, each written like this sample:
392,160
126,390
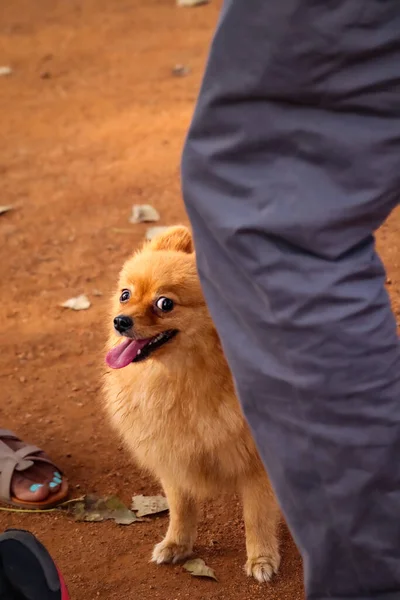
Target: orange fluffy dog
170,394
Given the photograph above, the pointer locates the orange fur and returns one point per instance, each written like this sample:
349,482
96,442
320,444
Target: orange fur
177,410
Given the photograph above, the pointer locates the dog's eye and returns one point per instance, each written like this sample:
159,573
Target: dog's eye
165,304
124,297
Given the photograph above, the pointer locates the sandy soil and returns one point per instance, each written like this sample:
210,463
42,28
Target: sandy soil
93,121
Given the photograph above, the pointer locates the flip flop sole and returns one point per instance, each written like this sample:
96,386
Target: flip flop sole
28,568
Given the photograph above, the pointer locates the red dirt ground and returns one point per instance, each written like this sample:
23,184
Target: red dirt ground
93,121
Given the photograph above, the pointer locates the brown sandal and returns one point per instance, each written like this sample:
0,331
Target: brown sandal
20,460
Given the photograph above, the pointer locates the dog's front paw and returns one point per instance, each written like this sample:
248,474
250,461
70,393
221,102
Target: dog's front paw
169,552
263,568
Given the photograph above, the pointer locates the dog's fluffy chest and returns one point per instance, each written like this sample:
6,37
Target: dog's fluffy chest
185,429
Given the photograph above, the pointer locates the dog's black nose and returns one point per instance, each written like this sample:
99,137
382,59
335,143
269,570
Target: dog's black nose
122,323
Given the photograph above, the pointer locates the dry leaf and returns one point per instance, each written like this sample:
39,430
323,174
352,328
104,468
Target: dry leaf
94,509
5,71
198,568
191,2
81,302
149,505
180,70
144,213
154,232
6,208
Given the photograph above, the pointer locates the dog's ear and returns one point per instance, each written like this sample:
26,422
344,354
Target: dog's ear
176,238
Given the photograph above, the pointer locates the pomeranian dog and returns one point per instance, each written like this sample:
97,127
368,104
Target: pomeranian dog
170,393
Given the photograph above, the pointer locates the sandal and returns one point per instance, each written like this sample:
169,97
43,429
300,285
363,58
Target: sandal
20,460
27,571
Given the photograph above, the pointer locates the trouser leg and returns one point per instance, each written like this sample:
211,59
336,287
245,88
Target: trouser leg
291,163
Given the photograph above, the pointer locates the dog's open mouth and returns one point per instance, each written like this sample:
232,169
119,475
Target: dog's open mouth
133,351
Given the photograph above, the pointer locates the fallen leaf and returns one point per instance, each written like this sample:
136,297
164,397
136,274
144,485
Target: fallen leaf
191,2
81,302
198,568
149,505
5,71
144,213
180,70
94,509
6,208
153,232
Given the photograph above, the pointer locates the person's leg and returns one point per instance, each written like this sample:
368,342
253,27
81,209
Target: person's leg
291,163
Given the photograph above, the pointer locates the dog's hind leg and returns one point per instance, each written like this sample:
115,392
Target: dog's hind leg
178,543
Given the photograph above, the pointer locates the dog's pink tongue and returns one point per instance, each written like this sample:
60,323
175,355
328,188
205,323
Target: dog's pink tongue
122,355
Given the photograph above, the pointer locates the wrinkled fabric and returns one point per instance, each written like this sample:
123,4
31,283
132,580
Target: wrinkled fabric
291,164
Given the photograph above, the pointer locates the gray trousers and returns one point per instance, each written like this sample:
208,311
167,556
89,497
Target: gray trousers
291,163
